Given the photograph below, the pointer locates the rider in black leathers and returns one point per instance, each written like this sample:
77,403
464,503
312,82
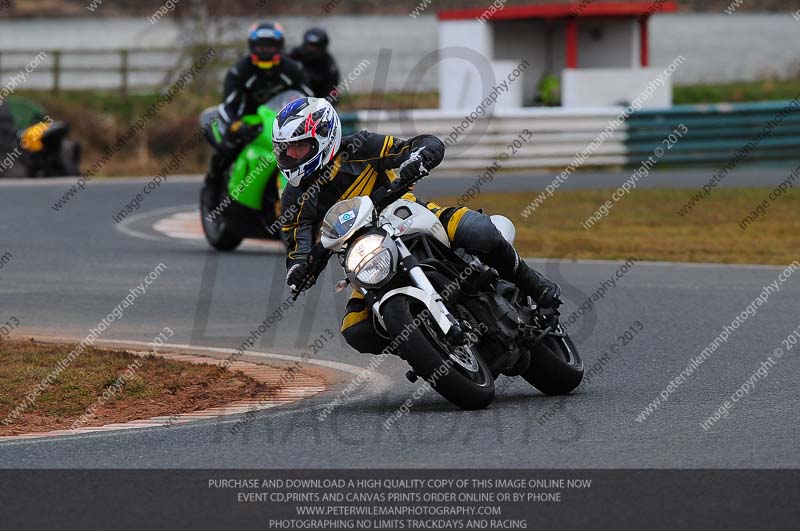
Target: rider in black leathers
319,64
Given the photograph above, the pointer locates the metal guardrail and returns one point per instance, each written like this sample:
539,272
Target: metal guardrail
715,134
349,123
558,136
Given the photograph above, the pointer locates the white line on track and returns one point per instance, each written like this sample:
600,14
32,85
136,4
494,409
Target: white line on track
125,228
169,225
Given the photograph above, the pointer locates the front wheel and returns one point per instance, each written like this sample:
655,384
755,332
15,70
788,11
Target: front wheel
458,374
217,232
556,367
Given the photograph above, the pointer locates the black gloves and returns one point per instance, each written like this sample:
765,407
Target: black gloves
239,134
549,296
308,268
295,275
419,163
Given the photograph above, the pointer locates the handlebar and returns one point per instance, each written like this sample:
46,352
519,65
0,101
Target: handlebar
381,198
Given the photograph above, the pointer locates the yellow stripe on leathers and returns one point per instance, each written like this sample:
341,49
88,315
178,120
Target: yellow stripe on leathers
388,142
370,184
370,177
452,225
354,318
337,163
357,183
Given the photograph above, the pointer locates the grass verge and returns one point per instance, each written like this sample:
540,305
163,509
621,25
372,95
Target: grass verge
645,225
744,91
143,387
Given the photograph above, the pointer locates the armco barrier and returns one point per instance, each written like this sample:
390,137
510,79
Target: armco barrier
349,123
716,133
558,135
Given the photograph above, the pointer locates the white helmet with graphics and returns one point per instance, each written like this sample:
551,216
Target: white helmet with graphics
306,136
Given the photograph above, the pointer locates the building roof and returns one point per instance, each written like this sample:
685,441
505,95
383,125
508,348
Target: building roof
584,8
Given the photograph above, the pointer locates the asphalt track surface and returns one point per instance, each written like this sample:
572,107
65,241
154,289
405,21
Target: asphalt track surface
71,268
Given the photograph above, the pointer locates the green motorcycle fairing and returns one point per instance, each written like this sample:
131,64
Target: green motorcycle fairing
256,164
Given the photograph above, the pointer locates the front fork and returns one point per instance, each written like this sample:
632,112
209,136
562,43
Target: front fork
424,291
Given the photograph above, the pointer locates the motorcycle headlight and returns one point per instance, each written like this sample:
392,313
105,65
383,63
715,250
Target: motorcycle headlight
369,260
376,269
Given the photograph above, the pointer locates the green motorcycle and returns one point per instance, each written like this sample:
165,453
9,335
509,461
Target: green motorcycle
250,206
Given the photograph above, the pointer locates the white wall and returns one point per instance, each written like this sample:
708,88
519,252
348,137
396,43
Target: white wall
603,87
408,42
462,84
727,47
603,43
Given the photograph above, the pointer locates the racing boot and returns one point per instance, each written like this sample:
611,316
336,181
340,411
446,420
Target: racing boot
505,259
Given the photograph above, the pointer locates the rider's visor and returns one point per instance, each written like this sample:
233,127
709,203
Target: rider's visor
313,50
266,56
266,51
292,154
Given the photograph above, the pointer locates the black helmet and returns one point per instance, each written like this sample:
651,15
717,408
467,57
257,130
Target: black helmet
315,40
266,42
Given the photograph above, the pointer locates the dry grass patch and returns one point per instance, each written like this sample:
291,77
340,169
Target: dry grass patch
645,225
157,386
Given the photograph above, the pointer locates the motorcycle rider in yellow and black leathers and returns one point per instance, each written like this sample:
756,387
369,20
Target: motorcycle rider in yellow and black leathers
324,168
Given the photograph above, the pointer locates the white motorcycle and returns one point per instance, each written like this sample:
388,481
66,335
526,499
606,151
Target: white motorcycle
457,324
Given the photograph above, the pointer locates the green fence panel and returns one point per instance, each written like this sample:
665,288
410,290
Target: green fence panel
717,132
349,123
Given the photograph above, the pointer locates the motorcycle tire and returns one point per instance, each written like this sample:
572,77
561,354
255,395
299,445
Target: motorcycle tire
218,235
556,367
426,350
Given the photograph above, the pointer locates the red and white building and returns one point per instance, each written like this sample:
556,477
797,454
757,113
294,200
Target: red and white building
599,50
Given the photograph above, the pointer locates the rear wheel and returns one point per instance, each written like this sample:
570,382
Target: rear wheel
556,367
217,233
458,374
